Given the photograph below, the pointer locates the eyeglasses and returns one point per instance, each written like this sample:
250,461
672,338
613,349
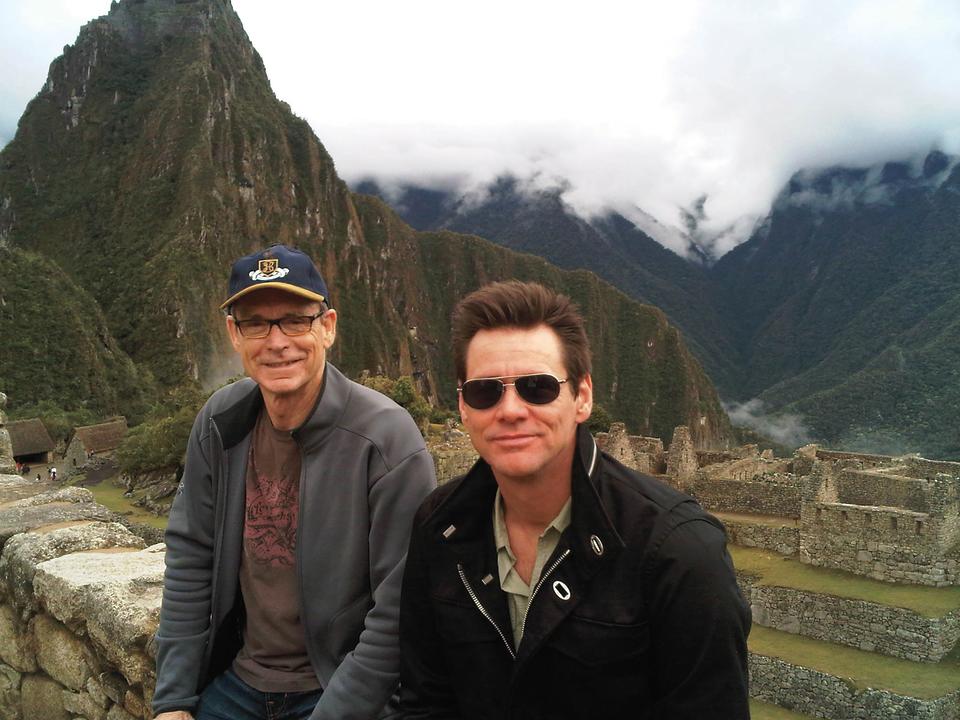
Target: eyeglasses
536,389
290,325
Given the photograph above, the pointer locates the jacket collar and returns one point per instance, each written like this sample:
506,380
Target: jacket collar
237,421
464,521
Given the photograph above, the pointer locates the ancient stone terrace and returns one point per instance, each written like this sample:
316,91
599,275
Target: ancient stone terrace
849,562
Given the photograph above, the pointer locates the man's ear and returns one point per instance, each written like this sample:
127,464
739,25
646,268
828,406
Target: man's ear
329,320
462,406
233,333
584,399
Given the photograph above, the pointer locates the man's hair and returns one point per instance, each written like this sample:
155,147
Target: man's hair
522,305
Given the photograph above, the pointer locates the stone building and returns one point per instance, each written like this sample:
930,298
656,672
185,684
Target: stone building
89,441
31,442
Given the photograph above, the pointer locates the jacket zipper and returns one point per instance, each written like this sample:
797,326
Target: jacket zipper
301,491
483,611
543,576
523,625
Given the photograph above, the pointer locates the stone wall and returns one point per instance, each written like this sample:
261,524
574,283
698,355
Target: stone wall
644,454
815,693
864,625
870,487
879,542
782,539
79,604
773,494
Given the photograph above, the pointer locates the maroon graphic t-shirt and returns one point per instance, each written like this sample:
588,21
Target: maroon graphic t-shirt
274,653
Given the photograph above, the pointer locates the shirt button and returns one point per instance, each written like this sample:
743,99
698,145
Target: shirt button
597,545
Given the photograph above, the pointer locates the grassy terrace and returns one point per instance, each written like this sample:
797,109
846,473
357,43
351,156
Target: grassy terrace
111,497
863,669
766,711
778,571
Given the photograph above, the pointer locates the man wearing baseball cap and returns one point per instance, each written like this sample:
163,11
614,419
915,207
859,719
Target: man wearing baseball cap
286,541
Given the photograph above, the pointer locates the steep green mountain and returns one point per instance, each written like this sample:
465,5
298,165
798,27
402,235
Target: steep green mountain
156,153
56,344
847,305
538,221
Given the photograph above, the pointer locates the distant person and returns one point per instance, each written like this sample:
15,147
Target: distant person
287,537
53,474
552,582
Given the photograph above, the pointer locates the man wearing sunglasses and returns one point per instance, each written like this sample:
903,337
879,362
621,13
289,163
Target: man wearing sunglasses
286,540
551,581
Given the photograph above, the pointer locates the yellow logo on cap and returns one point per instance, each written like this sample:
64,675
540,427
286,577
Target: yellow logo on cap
268,267
268,270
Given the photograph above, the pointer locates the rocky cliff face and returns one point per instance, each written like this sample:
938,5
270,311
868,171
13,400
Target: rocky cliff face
156,153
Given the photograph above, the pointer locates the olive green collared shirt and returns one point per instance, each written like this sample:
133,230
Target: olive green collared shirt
518,592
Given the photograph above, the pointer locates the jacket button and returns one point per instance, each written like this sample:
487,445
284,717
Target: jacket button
561,590
597,545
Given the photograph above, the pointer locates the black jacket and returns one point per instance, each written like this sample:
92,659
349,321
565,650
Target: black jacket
637,614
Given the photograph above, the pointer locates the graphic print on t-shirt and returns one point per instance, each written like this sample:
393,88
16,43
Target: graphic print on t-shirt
270,530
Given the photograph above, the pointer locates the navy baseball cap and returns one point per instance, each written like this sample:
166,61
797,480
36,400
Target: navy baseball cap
280,267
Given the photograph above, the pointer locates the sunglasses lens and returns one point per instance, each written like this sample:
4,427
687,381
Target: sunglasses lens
538,389
481,394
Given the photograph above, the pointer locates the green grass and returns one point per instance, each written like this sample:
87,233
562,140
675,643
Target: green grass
771,520
863,669
778,571
111,497
766,711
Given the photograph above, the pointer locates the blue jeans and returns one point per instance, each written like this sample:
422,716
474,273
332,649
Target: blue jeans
230,698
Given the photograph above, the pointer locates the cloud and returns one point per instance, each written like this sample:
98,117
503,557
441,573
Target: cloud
642,105
786,428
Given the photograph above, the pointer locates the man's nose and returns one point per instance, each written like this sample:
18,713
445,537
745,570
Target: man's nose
275,337
511,406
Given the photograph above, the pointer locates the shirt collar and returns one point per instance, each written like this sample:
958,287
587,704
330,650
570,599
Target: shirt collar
560,523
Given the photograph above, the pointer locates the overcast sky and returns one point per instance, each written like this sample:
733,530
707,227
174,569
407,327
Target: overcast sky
647,104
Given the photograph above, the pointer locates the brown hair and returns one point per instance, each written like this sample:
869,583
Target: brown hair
523,305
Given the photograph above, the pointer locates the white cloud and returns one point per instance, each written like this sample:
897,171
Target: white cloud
642,104
785,428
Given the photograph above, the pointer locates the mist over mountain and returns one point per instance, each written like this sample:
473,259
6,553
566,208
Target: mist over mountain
156,153
834,321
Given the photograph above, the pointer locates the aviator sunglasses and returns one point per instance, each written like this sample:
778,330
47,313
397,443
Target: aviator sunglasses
536,389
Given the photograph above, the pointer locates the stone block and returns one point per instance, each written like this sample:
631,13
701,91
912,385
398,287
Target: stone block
9,693
84,705
118,713
58,495
16,642
42,699
25,551
865,556
16,520
133,703
60,653
116,594
114,686
96,690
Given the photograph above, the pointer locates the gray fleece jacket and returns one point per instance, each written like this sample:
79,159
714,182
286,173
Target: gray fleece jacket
365,471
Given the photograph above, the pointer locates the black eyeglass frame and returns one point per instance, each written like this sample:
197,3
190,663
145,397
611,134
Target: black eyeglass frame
523,389
279,323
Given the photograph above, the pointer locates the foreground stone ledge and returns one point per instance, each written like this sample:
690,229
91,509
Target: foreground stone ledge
24,552
114,597
79,604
